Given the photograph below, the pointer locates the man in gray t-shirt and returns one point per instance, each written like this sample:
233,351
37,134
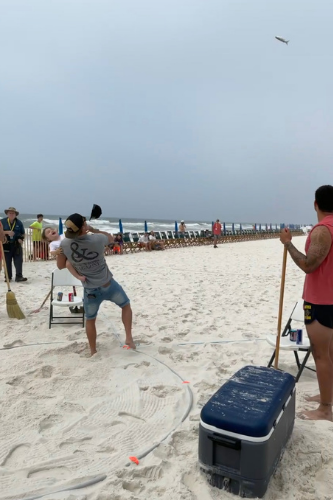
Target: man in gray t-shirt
86,253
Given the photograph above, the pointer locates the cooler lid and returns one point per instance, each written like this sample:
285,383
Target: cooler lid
250,402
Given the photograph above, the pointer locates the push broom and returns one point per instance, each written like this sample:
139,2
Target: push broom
13,309
278,336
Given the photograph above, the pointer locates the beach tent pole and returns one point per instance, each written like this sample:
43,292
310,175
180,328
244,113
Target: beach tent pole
278,336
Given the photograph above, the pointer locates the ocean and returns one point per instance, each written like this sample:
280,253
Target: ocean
111,225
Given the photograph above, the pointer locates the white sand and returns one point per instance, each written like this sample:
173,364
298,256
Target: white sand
66,417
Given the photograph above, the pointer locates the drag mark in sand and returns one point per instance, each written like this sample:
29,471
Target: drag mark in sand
84,421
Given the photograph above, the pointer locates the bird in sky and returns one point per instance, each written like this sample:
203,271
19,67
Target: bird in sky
283,40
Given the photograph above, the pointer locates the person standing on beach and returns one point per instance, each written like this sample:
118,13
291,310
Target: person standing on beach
2,237
86,253
217,230
182,227
37,227
317,263
14,236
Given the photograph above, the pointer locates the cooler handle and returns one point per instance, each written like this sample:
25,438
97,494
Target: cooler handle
235,444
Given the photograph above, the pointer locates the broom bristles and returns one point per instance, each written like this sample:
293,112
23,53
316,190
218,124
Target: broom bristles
13,309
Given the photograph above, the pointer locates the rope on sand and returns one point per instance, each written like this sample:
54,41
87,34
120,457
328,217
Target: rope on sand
28,345
98,479
240,341
189,393
91,482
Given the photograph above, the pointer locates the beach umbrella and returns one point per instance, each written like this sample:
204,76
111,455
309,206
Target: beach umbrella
176,226
60,230
146,227
120,226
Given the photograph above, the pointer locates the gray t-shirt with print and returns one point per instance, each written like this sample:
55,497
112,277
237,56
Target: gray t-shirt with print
86,254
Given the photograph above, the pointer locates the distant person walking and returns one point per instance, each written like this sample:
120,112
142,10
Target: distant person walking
37,243
14,236
217,230
182,227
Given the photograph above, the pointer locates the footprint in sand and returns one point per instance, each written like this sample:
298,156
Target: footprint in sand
131,416
164,350
15,343
152,473
137,365
52,473
15,381
46,372
133,486
75,348
48,423
143,363
16,458
162,391
166,339
84,445
196,484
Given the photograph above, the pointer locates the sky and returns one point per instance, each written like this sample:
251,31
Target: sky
166,108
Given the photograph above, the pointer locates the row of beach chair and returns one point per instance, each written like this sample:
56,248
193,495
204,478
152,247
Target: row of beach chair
172,239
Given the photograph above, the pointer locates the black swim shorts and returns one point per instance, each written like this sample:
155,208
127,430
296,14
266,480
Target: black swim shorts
323,314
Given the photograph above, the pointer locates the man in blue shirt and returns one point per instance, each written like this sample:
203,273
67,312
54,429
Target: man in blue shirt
14,236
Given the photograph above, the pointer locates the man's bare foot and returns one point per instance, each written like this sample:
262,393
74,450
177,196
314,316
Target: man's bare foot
130,344
93,352
313,399
323,412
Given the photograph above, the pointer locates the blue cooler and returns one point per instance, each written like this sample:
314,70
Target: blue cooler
244,429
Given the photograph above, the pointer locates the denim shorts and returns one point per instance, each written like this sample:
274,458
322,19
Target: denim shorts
93,297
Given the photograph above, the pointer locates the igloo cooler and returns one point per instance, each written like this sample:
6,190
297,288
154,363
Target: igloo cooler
244,429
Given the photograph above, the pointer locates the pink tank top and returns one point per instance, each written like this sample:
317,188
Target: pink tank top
318,286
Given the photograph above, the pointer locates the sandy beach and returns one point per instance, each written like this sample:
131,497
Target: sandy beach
67,418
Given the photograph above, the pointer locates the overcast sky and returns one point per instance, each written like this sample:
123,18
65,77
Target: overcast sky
166,108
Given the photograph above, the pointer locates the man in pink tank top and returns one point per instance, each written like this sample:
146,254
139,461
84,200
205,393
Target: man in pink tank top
317,263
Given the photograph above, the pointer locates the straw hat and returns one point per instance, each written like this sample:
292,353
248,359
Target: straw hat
11,209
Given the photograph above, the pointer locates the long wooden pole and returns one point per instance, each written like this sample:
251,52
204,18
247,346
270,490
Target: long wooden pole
40,308
283,280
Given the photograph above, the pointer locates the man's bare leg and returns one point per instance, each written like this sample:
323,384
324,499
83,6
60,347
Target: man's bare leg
321,337
126,316
316,398
91,334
